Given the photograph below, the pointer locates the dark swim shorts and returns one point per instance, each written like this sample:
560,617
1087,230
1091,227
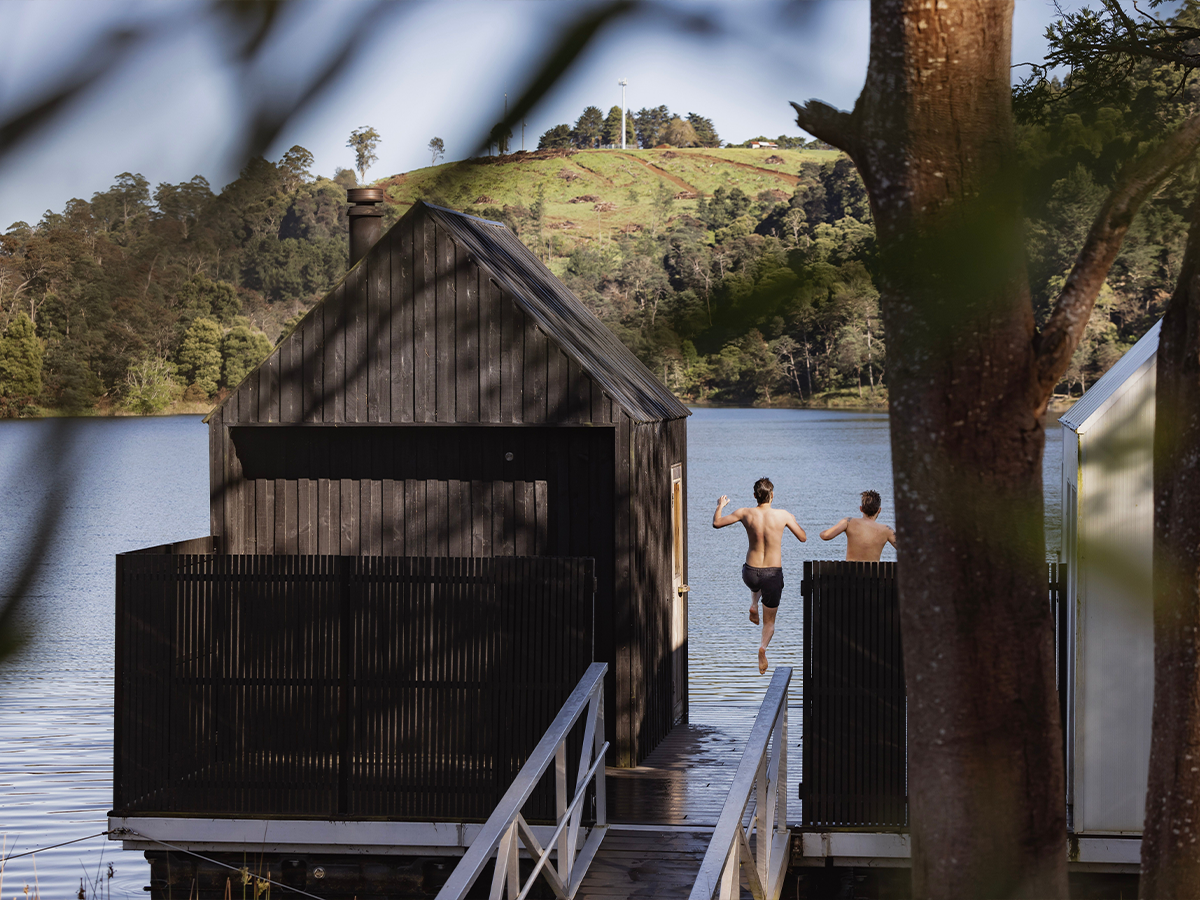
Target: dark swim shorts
769,581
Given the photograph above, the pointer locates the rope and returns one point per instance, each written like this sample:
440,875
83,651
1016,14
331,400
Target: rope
51,847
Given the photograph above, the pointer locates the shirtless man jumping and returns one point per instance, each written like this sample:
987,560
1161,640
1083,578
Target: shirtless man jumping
864,537
763,571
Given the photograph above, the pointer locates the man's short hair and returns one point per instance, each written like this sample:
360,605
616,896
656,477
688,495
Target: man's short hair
763,489
870,502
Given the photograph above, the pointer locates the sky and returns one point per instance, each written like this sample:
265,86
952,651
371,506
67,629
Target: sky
175,105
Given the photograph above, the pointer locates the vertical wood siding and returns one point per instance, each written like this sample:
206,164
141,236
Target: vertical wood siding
420,335
855,759
341,687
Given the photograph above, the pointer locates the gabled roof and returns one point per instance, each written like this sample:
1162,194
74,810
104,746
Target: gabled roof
1098,396
562,316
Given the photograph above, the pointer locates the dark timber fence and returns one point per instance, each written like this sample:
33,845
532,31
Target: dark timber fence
855,755
340,687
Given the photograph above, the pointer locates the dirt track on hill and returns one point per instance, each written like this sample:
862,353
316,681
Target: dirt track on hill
593,171
674,179
782,176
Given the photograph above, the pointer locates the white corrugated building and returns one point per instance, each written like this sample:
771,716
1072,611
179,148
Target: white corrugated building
1107,543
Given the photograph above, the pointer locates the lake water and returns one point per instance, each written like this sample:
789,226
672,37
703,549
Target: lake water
128,483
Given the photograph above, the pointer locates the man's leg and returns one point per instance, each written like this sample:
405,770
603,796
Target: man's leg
768,632
754,595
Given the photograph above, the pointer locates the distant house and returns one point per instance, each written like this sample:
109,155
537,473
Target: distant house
763,145
1107,544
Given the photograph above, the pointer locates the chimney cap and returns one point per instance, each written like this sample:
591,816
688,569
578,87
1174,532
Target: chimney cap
364,195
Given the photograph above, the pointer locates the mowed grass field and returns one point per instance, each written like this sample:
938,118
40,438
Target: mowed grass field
623,183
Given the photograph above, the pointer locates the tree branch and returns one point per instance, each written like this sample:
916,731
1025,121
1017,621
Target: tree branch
1136,181
827,124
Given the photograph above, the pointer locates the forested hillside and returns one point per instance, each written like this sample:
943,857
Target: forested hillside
738,275
138,299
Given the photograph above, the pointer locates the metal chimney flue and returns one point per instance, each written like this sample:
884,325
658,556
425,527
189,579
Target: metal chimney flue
366,220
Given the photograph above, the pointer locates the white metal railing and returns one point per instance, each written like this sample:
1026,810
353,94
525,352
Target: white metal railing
506,828
763,765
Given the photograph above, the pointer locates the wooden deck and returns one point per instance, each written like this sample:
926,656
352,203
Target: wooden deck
662,813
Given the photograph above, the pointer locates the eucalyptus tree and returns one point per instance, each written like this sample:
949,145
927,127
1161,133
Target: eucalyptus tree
970,376
437,149
364,140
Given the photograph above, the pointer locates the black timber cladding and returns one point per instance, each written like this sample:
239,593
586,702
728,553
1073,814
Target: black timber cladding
340,687
453,341
855,726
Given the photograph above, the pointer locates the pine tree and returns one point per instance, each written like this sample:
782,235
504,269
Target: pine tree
706,133
556,138
200,355
242,350
20,360
589,129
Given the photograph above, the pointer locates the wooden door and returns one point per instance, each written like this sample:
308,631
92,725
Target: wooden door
679,592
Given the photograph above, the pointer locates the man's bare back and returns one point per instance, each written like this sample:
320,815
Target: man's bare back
865,537
764,531
763,571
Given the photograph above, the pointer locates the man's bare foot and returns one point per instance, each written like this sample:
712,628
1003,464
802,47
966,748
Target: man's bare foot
754,614
762,660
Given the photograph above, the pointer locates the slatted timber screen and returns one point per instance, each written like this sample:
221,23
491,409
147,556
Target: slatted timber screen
340,687
854,749
855,757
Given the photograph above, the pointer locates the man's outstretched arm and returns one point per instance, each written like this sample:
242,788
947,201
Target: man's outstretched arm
794,527
830,533
720,521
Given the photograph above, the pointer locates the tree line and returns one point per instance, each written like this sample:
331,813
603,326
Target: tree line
644,129
142,297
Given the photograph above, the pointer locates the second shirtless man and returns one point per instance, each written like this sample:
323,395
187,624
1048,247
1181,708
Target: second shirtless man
865,538
763,571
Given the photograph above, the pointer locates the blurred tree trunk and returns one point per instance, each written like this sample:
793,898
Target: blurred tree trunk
969,379
1170,850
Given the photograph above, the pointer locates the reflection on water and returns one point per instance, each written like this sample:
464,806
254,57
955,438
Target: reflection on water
141,482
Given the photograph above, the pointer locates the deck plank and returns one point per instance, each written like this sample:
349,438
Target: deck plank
685,780
651,849
636,864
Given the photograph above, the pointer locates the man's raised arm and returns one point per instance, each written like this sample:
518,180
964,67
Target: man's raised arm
720,521
794,527
830,533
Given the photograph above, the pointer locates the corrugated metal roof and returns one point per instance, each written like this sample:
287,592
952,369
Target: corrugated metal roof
1100,393
562,316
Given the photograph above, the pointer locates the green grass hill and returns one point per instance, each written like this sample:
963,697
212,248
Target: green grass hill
592,195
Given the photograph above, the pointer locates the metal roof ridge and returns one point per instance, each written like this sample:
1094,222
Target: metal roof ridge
1097,398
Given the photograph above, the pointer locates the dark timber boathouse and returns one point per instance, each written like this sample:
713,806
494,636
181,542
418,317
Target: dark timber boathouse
515,424
451,480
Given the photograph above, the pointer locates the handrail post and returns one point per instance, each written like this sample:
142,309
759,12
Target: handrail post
565,858
506,826
781,780
761,774
600,743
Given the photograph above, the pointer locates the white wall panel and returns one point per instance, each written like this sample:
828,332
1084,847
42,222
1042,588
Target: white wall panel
1114,666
